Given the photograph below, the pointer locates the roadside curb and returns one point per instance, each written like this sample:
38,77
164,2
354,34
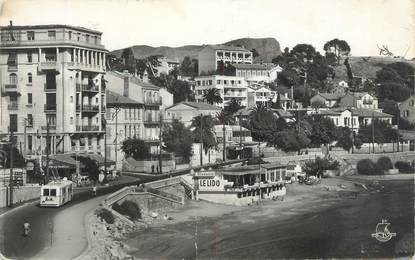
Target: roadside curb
17,208
88,236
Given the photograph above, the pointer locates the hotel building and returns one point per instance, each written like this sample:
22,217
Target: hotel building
52,80
212,56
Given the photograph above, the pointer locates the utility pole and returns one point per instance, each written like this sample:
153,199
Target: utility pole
160,143
397,124
117,109
352,133
105,147
373,132
201,139
240,134
259,171
47,152
224,141
11,167
24,140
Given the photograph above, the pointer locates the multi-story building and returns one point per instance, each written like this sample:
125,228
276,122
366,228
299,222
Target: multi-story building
256,73
124,119
186,111
407,109
359,100
213,57
52,80
229,86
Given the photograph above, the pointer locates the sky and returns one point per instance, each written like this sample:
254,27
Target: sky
364,24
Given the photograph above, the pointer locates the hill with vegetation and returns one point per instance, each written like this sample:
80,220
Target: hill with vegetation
266,48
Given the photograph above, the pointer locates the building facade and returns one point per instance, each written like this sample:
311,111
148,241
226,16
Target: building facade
186,111
359,100
213,57
407,109
52,88
229,87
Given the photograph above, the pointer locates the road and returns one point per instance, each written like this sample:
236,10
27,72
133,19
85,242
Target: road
16,246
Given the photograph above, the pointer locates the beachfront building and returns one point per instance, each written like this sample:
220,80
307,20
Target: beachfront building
242,185
213,58
230,87
186,111
52,88
407,109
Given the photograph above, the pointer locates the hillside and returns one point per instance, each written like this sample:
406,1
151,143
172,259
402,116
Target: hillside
267,49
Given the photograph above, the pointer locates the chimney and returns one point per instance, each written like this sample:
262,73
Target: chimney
126,91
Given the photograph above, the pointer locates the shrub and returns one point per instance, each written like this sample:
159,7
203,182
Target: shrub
128,208
385,163
106,215
367,167
404,167
319,165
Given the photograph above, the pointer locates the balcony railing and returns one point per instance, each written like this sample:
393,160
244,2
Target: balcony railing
51,127
85,67
10,88
88,108
50,87
13,106
155,102
50,107
86,88
48,65
87,128
150,121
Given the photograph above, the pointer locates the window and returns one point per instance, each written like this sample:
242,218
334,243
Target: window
13,122
45,192
29,78
30,35
406,113
89,141
12,60
78,37
71,120
29,57
95,39
30,142
218,81
52,35
71,98
87,37
29,98
29,120
70,35
13,78
52,192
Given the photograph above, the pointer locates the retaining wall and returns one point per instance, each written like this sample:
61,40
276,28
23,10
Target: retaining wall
149,202
20,194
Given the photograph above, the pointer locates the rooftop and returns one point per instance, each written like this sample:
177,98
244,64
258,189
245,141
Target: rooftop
255,66
48,26
117,99
228,48
197,105
330,96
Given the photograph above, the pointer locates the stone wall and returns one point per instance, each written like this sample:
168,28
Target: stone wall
149,202
20,194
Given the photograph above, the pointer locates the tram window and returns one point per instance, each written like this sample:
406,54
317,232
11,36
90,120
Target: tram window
52,192
45,192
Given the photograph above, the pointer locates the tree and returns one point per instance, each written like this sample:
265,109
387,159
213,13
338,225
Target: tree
233,106
178,139
212,96
224,118
318,104
303,50
18,159
181,91
254,53
318,166
188,67
136,148
322,132
204,124
338,47
90,166
394,91
382,132
345,139
128,60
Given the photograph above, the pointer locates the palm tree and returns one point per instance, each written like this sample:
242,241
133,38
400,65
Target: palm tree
224,118
203,132
233,106
212,96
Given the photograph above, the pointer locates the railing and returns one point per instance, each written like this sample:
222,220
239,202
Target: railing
51,127
13,106
86,67
50,107
10,86
48,65
87,128
156,102
88,108
87,87
49,87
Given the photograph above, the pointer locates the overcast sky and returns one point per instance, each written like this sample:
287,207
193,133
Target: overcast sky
362,23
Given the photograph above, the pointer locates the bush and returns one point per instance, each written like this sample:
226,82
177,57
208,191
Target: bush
318,166
105,214
385,163
367,167
404,167
128,208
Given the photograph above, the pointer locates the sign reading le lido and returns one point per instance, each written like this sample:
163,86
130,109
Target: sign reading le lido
214,184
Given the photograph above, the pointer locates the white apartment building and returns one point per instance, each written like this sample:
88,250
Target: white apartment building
258,72
213,56
52,75
229,87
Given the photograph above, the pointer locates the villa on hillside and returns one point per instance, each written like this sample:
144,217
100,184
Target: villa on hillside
186,111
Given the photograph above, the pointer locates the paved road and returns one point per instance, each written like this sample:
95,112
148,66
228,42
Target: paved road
16,246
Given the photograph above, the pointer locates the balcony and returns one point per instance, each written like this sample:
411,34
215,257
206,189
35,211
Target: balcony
12,68
13,106
87,88
88,108
10,89
150,121
49,87
47,66
85,67
50,108
51,127
87,128
152,102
